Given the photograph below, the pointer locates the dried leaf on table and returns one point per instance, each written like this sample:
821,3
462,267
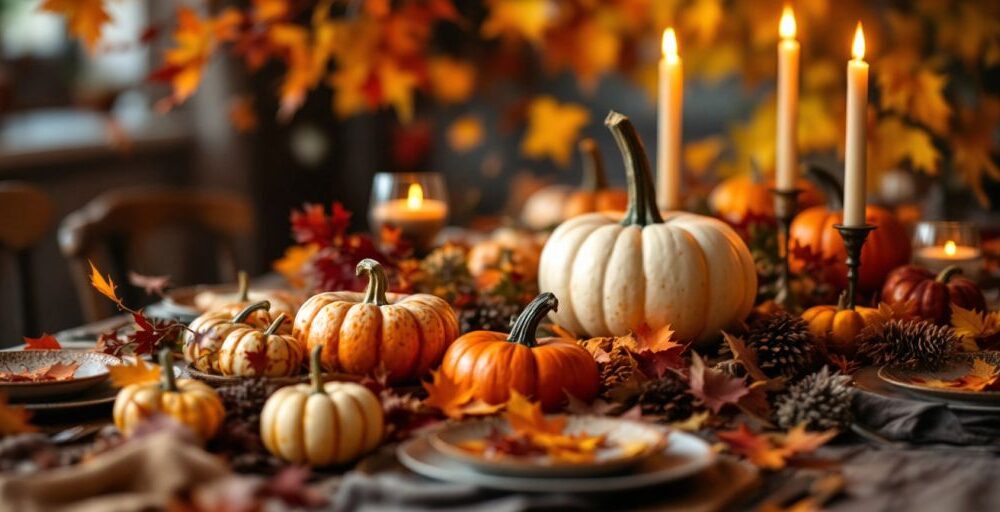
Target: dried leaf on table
14,420
138,372
44,342
981,376
693,423
800,441
51,373
774,450
453,400
713,387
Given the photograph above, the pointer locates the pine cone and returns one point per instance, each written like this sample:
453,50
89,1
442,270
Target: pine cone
445,273
784,345
488,314
821,400
907,342
245,399
667,398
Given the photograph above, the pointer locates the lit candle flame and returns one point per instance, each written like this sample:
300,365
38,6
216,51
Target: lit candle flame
949,248
858,48
414,196
786,28
669,45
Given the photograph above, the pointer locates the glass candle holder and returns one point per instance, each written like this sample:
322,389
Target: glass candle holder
416,203
941,244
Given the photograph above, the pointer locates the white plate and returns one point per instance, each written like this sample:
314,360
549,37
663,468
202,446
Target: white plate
685,455
91,371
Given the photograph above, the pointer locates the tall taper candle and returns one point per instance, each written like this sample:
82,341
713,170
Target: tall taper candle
857,120
787,151
669,103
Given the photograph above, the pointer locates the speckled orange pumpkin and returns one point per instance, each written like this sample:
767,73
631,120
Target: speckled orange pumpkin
250,352
207,332
359,332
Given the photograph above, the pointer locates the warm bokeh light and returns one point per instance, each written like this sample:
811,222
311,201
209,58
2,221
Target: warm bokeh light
786,28
950,248
858,48
414,196
669,44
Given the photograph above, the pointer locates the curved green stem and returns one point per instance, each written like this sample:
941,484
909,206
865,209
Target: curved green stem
167,380
247,311
527,322
642,209
756,174
378,283
243,281
594,177
316,369
830,186
947,273
275,325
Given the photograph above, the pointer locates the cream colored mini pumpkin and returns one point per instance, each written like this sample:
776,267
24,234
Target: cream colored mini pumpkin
250,352
190,402
613,274
407,334
207,332
321,424
522,248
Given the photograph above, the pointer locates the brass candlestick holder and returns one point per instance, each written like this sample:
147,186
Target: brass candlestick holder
854,239
786,203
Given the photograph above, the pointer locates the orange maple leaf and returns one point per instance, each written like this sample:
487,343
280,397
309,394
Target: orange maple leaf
195,40
979,377
45,342
800,441
138,373
103,285
84,18
526,417
520,18
757,448
453,400
293,263
14,420
644,338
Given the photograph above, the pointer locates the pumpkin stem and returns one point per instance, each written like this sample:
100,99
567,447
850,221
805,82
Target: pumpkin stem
842,302
830,186
378,283
167,380
642,209
756,174
243,281
527,322
316,369
594,177
247,311
275,325
945,275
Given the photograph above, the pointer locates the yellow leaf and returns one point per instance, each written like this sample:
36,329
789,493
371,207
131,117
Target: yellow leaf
753,140
818,127
465,133
85,18
972,324
451,80
699,155
979,377
701,21
269,10
974,145
293,262
105,286
799,441
518,18
14,420
553,129
139,372
909,90
693,423
895,142
397,85
527,417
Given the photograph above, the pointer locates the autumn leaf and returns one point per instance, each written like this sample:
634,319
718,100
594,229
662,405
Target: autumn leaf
700,155
974,146
152,285
745,356
526,416
895,142
693,423
50,373
553,129
915,92
84,18
759,449
973,324
45,342
453,400
702,20
451,80
294,263
799,441
465,133
713,387
103,285
139,372
644,339
14,420
979,377
242,116
518,18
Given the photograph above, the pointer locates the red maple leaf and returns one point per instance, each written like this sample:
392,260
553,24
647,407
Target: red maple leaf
713,387
312,225
45,342
149,334
258,360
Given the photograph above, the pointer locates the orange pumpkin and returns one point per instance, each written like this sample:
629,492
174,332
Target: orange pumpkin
838,325
492,364
745,195
360,332
553,204
887,247
521,247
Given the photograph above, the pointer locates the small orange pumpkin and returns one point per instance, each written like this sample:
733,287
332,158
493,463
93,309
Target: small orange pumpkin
521,247
493,363
838,325
232,303
359,332
736,198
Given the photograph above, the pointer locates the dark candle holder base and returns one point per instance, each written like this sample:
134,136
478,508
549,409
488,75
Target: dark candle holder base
854,240
785,207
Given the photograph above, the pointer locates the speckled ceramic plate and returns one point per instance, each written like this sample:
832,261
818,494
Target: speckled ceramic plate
908,379
612,457
92,371
684,456
224,380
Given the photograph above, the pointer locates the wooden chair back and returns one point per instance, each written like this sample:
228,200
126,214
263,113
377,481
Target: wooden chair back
26,216
111,223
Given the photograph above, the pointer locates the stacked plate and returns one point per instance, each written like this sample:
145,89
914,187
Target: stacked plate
667,456
88,386
912,382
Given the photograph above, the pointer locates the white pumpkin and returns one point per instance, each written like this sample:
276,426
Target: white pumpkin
544,208
205,335
252,352
614,273
321,424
